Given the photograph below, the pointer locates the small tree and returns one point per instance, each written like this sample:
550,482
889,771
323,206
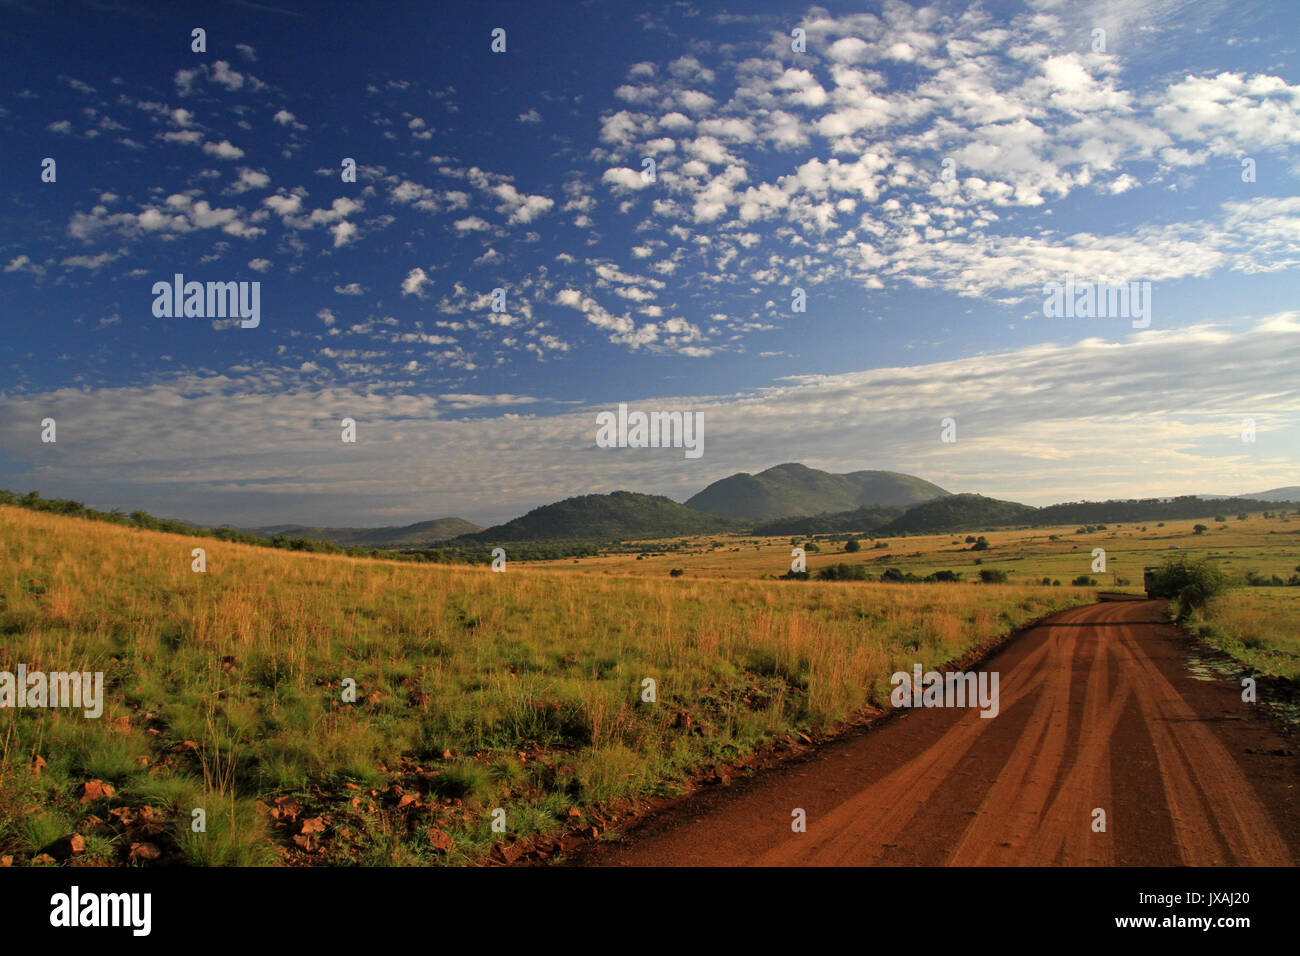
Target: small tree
852,546
1190,583
1200,528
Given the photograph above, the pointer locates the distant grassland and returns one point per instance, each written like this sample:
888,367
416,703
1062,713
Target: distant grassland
475,690
1265,545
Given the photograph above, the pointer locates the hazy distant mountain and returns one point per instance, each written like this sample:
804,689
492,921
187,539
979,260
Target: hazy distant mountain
1289,493
959,513
621,515
793,490
397,536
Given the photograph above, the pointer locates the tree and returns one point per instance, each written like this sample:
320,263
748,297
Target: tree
1190,583
851,546
1200,528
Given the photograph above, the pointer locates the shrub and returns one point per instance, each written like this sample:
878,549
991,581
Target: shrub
843,572
993,576
1083,581
1190,583
852,546
1200,528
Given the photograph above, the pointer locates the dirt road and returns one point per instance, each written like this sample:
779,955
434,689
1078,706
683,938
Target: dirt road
1099,711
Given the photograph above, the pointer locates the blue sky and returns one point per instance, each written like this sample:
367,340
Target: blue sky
776,169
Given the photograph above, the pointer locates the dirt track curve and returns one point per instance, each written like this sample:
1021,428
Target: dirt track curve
1098,710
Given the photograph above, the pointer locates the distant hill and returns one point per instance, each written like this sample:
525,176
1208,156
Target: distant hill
861,520
794,490
1289,493
1146,509
959,513
396,536
618,516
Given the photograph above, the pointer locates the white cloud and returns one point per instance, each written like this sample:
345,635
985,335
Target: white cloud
415,282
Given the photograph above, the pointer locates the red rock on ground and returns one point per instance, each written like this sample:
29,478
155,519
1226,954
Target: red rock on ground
67,846
96,790
144,852
509,852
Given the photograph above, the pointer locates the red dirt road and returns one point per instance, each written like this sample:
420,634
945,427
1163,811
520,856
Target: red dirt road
1098,710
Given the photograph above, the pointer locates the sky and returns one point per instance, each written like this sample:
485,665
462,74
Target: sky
921,173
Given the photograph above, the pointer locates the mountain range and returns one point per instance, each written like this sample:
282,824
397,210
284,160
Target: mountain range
394,536
785,499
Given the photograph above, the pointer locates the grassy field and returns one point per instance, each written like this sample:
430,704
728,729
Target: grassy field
1265,545
1258,626
475,691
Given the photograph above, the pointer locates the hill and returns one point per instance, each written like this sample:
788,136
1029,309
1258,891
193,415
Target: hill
1289,493
618,516
860,520
794,490
959,513
394,536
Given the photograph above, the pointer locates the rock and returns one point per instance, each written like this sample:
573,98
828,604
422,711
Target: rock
6,861
446,755
37,766
288,808
441,841
305,843
574,812
144,853
43,859
374,698
313,825
186,745
509,852
96,790
89,823
67,846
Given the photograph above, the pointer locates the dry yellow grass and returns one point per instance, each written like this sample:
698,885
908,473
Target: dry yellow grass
488,666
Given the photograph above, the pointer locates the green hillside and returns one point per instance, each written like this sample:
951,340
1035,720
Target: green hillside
618,516
860,520
794,490
960,512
